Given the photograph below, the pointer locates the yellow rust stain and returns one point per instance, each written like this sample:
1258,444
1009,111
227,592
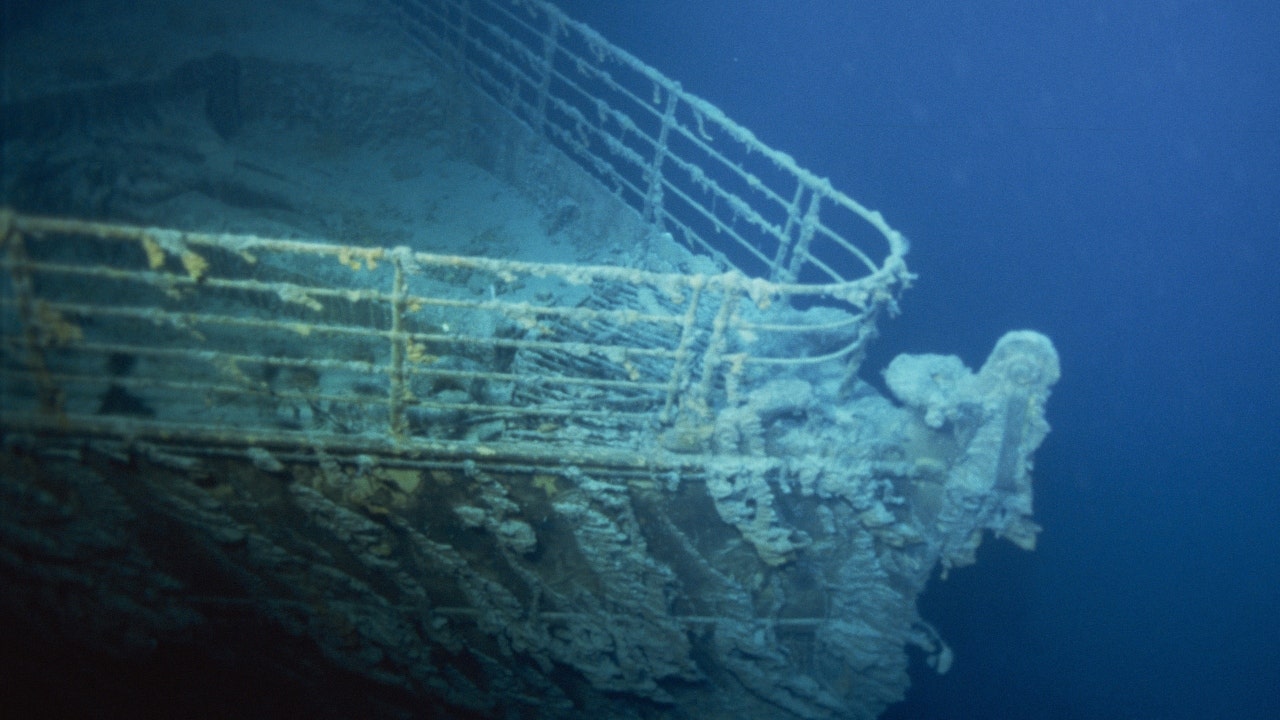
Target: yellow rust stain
195,265
547,483
406,480
57,331
358,259
416,352
155,255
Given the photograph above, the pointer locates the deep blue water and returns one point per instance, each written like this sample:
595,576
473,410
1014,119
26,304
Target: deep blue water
1105,172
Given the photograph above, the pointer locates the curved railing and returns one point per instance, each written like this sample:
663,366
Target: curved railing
673,157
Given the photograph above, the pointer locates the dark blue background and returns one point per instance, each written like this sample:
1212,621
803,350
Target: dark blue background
1105,172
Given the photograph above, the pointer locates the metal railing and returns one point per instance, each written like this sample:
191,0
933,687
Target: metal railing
250,341
131,331
673,157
